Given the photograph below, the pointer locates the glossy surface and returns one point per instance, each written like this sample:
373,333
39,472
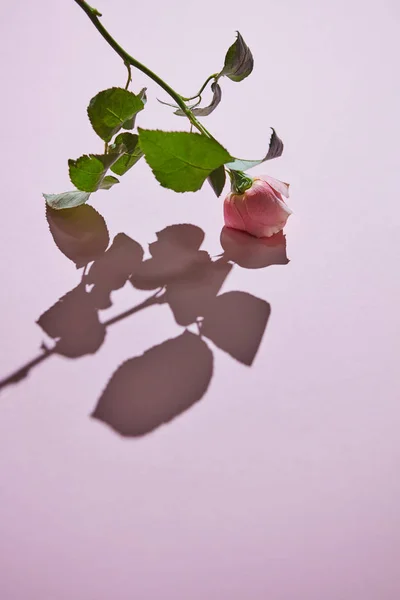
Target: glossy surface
277,480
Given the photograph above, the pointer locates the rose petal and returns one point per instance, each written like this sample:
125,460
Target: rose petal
276,184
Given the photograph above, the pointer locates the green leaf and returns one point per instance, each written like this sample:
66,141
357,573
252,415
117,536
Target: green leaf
108,182
128,145
88,171
275,150
239,60
113,109
130,123
206,110
181,161
217,180
66,199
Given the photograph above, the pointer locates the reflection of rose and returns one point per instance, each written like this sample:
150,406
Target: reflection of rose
253,253
260,210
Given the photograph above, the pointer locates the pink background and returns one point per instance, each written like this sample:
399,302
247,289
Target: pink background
282,481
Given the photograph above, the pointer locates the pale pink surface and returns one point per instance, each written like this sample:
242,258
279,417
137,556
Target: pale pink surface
282,482
260,210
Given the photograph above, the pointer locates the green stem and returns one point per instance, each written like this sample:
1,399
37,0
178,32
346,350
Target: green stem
128,66
93,15
214,76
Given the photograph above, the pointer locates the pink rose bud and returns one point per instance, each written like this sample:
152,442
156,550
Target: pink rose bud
260,210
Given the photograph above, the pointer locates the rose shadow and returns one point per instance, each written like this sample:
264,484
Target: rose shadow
166,380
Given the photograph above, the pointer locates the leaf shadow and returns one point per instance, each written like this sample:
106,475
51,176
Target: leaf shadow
80,233
148,390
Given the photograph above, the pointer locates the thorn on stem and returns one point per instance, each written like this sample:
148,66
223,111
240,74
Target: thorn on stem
95,12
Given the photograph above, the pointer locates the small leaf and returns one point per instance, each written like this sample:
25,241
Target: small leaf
217,180
108,182
176,106
132,152
66,199
181,161
130,123
207,110
239,60
167,103
88,171
113,109
275,150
